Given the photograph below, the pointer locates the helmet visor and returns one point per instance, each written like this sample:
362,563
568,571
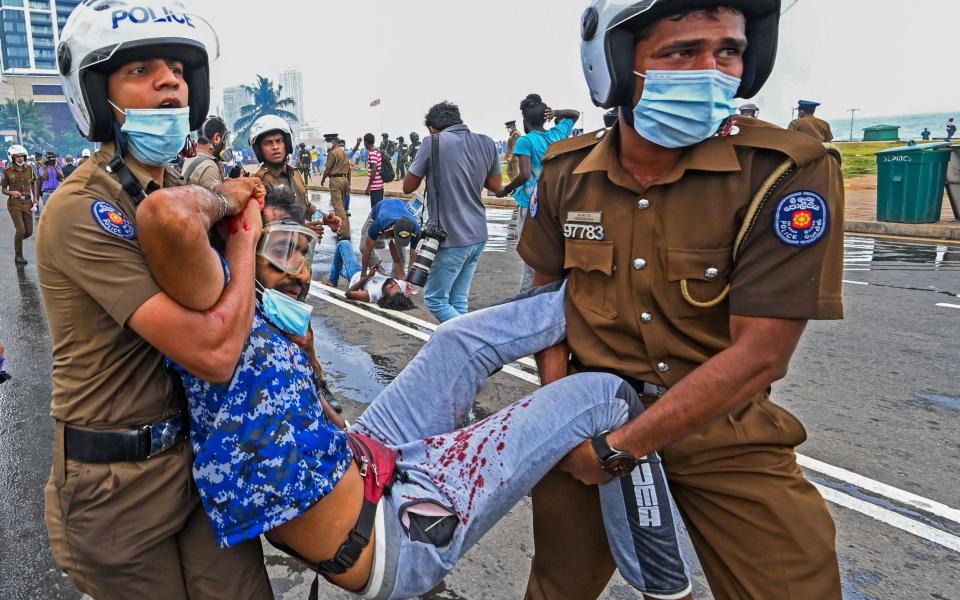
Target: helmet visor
621,11
288,247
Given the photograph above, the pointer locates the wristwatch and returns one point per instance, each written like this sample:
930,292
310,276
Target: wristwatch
615,462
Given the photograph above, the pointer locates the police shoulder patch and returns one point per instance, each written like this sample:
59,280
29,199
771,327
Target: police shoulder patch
113,221
801,219
534,204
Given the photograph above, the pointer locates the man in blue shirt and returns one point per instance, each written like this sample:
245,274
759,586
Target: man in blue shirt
393,221
530,149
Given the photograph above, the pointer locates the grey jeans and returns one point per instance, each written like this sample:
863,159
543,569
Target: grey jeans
456,484
526,279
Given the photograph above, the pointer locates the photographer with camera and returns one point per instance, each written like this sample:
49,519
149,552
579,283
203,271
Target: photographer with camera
458,164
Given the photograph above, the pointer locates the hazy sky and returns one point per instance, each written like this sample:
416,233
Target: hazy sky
882,56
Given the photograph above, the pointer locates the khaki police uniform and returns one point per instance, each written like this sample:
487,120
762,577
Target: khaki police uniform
815,127
128,529
203,170
273,176
338,171
652,282
513,161
20,179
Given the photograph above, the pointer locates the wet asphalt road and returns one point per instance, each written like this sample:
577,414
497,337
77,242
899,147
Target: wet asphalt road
878,392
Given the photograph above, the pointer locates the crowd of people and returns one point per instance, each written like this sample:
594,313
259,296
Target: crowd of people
190,406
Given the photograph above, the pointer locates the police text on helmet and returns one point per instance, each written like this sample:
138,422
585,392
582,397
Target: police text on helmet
145,14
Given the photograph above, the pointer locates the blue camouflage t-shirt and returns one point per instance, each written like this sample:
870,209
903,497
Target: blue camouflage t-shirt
265,452
535,145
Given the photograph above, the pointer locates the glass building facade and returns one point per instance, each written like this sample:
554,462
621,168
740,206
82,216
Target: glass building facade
29,30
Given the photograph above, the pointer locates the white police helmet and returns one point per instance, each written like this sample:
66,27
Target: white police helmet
17,150
607,42
269,124
101,35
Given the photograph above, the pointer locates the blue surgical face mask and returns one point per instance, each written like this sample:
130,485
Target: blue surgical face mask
292,316
155,135
682,108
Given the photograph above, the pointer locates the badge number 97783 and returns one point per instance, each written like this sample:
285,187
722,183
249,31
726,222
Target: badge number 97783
575,231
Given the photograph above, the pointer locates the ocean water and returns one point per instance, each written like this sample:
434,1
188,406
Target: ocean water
910,125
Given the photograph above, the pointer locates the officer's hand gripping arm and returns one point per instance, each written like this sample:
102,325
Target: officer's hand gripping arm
758,356
216,336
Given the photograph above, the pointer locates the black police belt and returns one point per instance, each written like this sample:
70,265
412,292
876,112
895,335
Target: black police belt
642,388
338,175
98,446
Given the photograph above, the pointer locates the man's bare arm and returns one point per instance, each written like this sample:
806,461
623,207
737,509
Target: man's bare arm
397,258
365,257
526,171
216,336
411,182
173,226
759,355
552,362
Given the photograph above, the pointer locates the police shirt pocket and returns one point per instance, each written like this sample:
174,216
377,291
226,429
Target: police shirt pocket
591,281
701,277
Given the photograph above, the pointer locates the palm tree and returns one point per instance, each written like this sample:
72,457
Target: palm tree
266,101
33,122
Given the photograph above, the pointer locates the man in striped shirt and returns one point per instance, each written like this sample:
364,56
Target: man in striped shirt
374,180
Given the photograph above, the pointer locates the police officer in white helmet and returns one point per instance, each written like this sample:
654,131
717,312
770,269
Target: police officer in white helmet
695,246
123,515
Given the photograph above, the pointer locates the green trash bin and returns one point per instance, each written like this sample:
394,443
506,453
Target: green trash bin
910,182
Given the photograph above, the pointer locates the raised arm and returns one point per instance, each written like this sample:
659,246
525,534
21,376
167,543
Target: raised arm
173,226
208,343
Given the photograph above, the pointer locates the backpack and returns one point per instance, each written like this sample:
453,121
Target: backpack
387,173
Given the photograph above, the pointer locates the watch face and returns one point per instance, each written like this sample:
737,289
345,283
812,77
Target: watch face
619,466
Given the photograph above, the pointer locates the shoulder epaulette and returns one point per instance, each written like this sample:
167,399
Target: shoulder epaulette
261,172
573,144
801,148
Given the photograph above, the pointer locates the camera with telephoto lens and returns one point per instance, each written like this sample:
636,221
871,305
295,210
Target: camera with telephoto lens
430,239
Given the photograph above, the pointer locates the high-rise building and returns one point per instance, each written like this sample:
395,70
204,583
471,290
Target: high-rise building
292,82
29,30
234,98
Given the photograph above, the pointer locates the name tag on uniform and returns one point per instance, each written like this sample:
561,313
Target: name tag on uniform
585,217
584,226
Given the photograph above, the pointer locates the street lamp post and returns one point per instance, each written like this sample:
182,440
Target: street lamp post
853,113
16,102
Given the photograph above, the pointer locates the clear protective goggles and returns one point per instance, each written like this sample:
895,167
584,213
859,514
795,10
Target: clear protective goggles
287,246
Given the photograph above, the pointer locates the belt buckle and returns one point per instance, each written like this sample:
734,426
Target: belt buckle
159,437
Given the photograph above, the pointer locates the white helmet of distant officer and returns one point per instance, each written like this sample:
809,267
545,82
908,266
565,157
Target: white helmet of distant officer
17,150
102,35
270,124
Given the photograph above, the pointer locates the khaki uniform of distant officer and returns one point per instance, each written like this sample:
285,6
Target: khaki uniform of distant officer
20,178
513,161
813,126
653,276
338,172
276,175
203,170
123,529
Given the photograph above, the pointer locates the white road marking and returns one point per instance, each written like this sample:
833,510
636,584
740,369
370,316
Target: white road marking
837,497
887,491
408,330
891,518
856,282
401,316
944,305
